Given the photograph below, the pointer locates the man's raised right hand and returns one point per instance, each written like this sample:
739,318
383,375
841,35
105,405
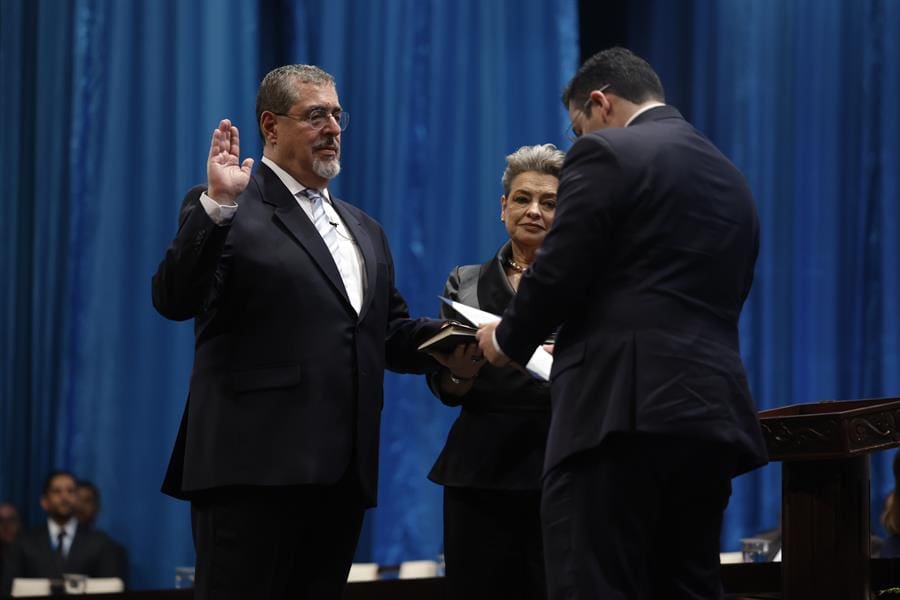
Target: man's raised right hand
226,176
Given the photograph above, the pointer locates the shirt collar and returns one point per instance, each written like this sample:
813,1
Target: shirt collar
640,111
293,186
70,527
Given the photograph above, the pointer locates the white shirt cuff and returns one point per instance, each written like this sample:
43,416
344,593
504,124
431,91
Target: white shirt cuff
220,214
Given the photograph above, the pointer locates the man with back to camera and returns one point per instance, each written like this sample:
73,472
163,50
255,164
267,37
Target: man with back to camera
61,545
296,318
646,268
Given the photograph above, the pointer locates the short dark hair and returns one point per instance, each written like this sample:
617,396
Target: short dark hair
53,475
625,73
277,93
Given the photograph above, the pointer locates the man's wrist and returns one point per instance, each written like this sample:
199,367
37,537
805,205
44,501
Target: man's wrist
221,198
220,214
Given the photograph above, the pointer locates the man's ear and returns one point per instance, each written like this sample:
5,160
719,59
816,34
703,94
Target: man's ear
44,504
604,104
267,124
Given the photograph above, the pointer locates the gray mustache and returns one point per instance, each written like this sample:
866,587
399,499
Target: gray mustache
329,144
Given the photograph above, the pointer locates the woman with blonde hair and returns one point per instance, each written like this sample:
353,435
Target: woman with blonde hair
491,464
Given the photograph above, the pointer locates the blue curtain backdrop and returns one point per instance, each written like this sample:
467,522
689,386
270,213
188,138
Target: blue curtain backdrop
800,94
107,108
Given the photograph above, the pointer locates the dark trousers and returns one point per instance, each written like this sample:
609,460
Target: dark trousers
492,545
270,543
639,517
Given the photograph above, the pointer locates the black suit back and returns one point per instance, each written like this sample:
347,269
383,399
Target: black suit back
647,266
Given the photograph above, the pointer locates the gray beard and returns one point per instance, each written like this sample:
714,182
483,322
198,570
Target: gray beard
326,169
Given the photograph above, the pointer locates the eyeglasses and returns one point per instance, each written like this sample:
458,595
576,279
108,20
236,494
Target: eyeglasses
573,133
318,118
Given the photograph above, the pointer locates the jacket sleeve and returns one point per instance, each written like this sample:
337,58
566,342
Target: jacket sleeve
191,276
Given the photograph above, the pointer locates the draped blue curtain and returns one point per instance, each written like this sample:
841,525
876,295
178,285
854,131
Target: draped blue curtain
107,108
800,94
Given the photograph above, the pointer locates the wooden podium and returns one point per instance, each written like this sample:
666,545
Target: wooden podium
825,491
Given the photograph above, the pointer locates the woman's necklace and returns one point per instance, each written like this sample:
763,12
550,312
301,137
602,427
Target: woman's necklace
512,264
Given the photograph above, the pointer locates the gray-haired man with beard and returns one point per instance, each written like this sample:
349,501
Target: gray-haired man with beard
296,317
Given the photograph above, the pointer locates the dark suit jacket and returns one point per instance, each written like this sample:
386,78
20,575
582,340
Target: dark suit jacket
498,440
31,555
647,267
287,378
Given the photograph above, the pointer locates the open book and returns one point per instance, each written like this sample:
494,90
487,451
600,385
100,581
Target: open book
459,333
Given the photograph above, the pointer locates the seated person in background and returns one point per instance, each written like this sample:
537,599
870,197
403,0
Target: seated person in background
87,506
10,525
491,464
61,545
890,517
87,509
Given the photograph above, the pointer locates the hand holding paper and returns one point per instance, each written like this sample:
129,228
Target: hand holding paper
541,361
485,337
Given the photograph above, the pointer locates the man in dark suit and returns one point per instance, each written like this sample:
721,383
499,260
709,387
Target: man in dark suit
296,317
646,268
61,545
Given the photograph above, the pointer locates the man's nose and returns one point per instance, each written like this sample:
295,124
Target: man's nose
332,126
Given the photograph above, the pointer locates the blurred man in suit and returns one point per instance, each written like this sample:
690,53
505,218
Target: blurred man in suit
10,527
296,317
646,269
60,545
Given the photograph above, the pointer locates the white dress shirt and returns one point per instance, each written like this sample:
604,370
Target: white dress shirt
70,527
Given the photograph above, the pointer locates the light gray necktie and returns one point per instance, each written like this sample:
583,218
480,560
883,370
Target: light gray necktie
326,228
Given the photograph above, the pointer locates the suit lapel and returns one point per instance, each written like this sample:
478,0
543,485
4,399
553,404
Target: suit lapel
494,289
366,250
289,213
